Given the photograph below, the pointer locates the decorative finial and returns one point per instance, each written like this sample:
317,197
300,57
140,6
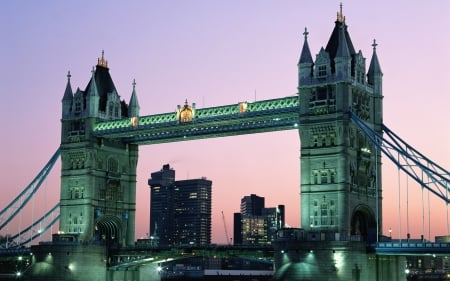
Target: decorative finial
374,45
306,33
68,75
93,70
340,15
101,61
134,83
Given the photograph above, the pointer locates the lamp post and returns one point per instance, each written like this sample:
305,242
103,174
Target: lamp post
390,232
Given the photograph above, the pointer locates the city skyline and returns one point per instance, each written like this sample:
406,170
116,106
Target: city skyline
216,54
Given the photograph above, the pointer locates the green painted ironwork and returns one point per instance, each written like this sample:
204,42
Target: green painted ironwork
235,119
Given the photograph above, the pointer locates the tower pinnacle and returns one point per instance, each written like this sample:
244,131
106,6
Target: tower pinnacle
101,61
340,15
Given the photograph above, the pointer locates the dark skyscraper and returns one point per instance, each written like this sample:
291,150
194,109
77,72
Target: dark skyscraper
180,211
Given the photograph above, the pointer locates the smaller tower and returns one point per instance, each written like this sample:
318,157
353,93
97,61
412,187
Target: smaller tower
67,98
342,60
133,107
305,63
93,97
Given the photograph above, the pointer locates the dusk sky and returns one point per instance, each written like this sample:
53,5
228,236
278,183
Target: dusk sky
216,53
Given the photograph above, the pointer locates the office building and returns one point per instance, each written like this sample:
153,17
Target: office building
180,211
256,224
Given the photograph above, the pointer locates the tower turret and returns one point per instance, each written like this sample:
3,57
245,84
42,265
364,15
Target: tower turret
92,97
305,63
67,98
133,106
342,60
375,75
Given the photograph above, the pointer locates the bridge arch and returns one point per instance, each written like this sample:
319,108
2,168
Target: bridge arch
363,222
108,229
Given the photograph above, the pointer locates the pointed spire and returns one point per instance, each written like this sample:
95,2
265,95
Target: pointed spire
133,106
340,15
68,94
374,67
342,49
305,56
93,87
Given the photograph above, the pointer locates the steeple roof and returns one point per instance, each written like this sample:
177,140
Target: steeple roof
68,94
342,49
374,67
338,39
133,99
103,82
305,56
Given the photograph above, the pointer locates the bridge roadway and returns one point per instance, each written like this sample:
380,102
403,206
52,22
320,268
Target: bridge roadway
236,119
405,248
123,258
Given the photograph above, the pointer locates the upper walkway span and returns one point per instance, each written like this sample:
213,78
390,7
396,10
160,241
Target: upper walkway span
189,123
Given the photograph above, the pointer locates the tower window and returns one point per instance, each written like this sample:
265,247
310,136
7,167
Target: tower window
322,71
324,177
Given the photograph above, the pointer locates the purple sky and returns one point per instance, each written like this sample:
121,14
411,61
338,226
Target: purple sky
215,53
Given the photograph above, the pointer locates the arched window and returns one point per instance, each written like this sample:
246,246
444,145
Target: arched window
113,165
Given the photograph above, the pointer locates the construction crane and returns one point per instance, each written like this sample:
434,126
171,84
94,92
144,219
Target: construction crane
226,231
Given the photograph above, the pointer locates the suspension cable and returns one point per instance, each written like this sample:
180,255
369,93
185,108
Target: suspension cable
407,209
399,206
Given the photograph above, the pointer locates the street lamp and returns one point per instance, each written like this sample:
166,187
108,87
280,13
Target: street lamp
390,232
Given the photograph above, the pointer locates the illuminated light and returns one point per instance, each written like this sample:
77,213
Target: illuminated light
296,125
407,271
282,251
159,268
186,113
20,258
134,121
243,107
18,273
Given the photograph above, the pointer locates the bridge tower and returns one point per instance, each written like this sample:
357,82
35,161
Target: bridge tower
340,169
98,176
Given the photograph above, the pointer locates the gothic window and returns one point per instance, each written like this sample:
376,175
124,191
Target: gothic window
322,72
110,110
112,165
116,111
332,139
332,176
324,177
77,193
316,177
77,106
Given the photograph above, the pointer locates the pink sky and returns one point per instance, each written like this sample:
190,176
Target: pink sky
215,53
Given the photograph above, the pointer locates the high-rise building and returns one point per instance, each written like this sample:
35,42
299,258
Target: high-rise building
180,211
256,224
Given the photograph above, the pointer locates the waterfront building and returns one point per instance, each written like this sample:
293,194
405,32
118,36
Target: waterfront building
180,211
256,224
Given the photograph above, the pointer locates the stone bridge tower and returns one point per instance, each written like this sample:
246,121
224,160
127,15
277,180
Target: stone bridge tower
98,176
340,169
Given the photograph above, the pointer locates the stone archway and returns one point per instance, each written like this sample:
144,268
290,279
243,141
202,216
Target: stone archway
108,229
363,223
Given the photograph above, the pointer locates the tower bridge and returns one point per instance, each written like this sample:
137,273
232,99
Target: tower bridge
338,113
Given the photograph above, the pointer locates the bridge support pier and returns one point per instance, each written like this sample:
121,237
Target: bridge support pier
334,260
71,262
147,272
